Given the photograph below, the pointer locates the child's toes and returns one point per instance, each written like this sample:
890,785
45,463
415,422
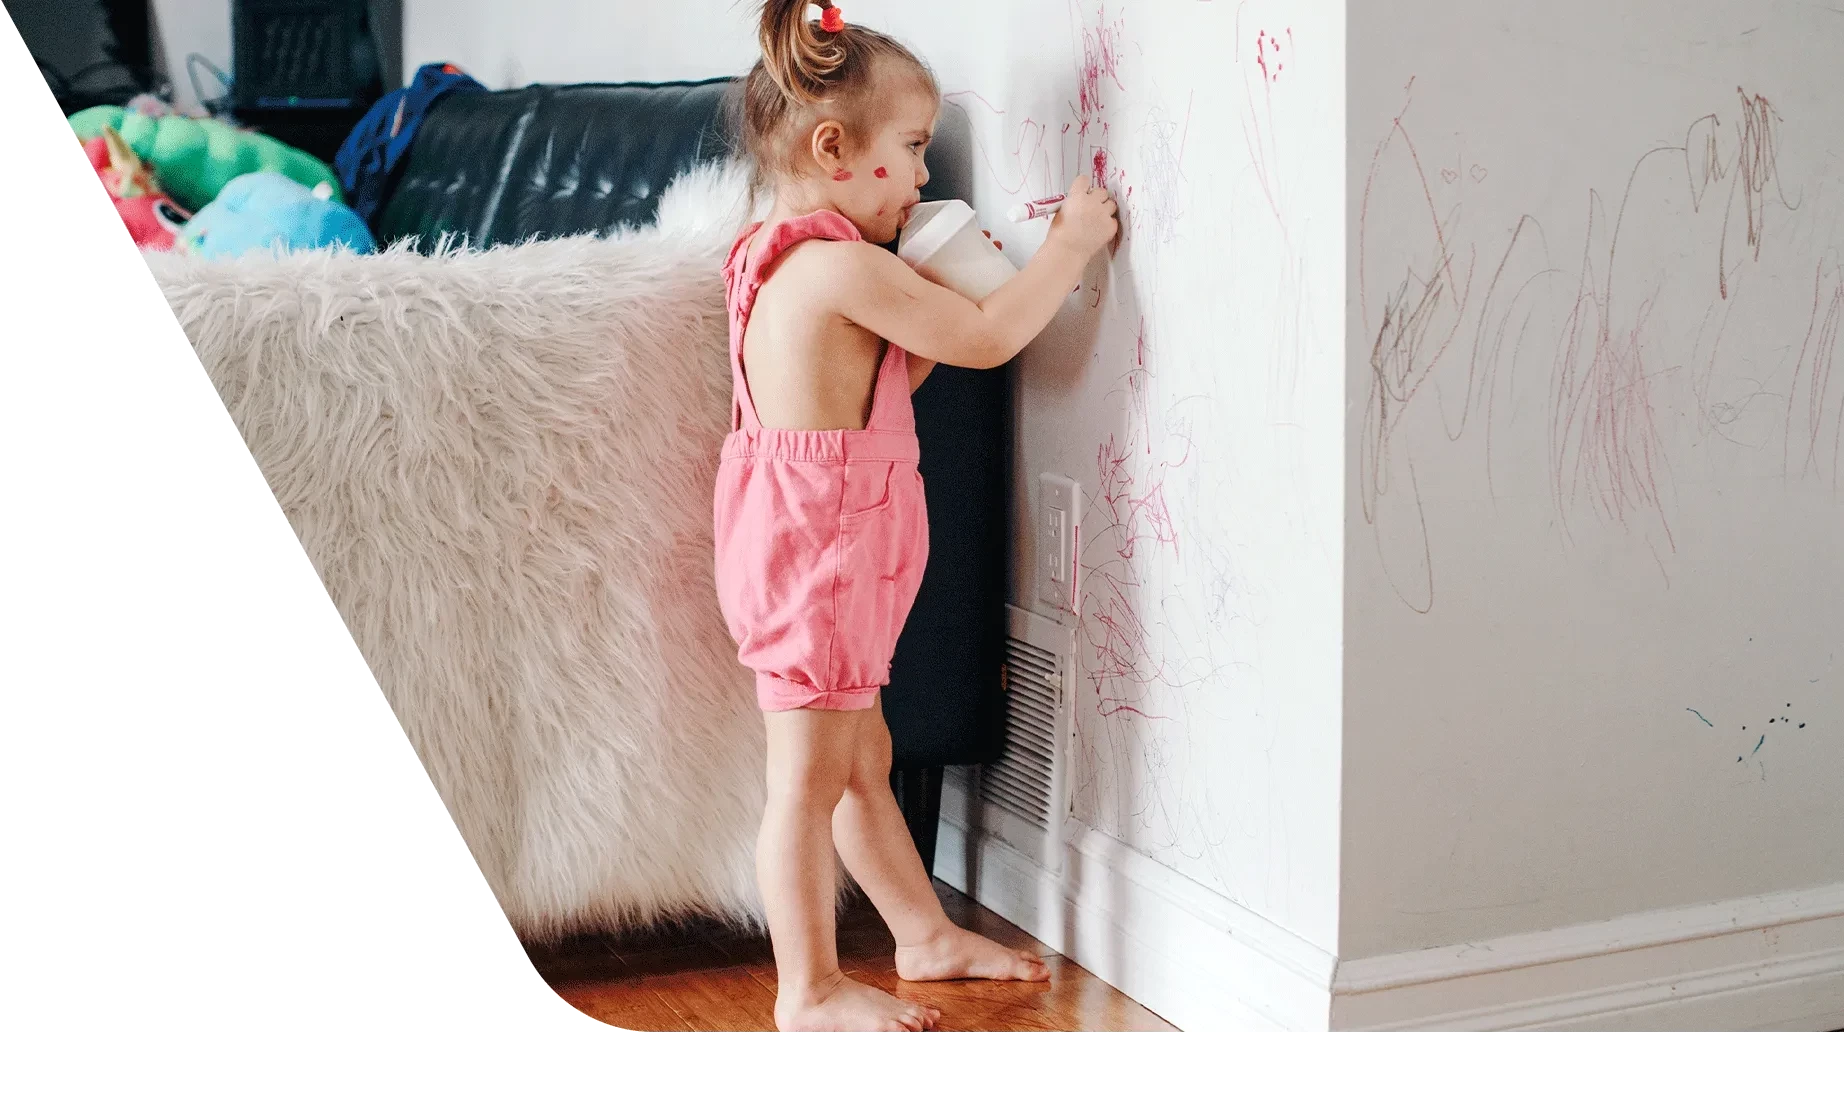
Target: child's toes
1035,968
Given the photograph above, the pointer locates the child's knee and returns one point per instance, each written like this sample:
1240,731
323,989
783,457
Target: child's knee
872,756
812,782
871,767
817,794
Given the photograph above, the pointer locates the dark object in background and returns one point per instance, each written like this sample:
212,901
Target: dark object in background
964,421
305,71
546,161
370,157
90,52
551,160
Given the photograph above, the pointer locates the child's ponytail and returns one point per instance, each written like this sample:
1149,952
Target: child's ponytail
807,63
799,55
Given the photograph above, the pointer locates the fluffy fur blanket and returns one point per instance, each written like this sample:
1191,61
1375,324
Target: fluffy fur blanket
500,462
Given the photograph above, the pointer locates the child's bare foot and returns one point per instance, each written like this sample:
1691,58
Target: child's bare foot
957,953
842,1004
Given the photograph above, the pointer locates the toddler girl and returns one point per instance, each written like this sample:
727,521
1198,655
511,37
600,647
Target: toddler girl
820,524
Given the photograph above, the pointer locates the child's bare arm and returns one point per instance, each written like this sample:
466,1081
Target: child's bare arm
879,292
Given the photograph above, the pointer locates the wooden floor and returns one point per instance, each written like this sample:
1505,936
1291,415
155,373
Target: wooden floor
703,978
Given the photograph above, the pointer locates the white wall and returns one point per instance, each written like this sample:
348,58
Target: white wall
184,27
505,44
1192,392
1594,532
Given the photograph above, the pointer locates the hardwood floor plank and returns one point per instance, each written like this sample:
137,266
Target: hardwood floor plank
709,977
740,948
629,1006
716,999
1097,1005
696,955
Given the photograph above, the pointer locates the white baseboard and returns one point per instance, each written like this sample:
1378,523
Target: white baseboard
1204,962
1197,959
1765,962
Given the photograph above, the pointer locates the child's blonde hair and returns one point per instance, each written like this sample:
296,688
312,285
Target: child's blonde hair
808,73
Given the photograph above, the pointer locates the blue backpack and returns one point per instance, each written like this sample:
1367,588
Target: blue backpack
369,156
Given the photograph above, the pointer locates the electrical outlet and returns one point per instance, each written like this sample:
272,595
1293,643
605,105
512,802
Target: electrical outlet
1059,525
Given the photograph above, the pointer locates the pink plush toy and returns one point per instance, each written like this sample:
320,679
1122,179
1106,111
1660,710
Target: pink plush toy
152,218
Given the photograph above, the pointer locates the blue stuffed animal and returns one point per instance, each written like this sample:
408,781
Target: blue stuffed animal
269,211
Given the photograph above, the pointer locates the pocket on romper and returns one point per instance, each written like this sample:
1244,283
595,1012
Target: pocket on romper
867,487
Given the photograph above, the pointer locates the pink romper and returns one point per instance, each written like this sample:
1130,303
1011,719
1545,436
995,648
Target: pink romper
822,535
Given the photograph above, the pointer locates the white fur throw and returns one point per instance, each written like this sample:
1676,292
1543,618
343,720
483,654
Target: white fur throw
501,463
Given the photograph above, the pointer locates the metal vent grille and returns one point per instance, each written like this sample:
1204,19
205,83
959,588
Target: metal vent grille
1021,782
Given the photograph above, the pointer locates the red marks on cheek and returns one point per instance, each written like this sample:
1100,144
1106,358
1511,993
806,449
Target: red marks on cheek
880,172
842,175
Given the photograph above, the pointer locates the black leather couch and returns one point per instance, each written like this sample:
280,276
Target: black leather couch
503,167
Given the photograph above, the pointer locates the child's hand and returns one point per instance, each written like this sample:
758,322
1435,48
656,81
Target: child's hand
1087,221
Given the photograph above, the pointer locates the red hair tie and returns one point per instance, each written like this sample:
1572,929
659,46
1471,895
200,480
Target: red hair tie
832,20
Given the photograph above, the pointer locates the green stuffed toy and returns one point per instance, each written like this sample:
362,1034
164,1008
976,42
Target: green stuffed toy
196,159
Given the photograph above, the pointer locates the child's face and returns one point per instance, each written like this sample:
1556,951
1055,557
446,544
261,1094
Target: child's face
879,185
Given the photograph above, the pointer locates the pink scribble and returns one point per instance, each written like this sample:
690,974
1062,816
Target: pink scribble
1099,68
1027,159
1036,159
1268,49
1156,209
1811,385
1604,444
1419,322
1100,59
1610,369
1134,513
1129,528
1258,131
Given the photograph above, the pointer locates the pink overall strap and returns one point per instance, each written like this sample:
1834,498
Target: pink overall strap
740,297
892,386
890,408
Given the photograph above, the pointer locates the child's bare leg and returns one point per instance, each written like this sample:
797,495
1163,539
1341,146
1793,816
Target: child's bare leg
809,763
874,842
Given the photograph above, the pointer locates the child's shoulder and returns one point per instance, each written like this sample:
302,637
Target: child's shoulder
810,257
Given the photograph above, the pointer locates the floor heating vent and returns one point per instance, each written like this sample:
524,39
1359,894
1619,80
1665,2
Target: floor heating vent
1021,796
1020,781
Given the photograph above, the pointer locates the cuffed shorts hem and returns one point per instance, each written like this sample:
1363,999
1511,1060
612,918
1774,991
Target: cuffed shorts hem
776,694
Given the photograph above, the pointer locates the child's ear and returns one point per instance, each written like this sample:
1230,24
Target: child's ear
829,146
